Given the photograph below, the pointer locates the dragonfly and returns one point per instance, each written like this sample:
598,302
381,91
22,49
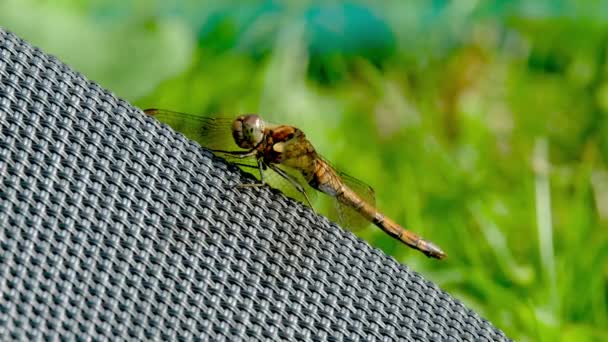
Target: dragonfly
282,153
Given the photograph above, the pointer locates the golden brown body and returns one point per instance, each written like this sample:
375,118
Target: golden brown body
288,146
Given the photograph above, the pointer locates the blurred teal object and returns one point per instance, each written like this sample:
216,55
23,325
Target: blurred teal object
248,28
339,33
349,29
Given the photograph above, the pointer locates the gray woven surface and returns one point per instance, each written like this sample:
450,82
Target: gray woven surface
115,227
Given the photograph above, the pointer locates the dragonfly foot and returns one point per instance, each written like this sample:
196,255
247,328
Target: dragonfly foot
248,185
432,251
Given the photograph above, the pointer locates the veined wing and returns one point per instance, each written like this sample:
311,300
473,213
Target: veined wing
342,213
302,154
214,133
277,181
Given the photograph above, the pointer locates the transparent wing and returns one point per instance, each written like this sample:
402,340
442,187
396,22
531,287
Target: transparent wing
277,181
215,133
342,213
211,132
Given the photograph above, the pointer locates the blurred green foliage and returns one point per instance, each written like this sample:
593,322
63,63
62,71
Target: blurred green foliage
481,125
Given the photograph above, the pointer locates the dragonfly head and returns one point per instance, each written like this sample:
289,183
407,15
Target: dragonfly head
248,130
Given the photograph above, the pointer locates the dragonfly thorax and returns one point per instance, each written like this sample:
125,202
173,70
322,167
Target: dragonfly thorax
248,130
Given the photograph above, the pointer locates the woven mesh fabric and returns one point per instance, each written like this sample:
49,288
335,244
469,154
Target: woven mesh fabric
114,226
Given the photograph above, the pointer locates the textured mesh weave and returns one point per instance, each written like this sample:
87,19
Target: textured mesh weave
113,226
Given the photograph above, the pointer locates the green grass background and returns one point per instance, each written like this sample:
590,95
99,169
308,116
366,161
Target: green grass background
481,124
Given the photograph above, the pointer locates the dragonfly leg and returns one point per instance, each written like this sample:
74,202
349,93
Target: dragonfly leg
262,181
244,165
238,154
293,182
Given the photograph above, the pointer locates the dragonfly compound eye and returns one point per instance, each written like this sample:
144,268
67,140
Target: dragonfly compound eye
248,130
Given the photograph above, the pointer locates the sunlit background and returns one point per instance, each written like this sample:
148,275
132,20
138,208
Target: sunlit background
481,125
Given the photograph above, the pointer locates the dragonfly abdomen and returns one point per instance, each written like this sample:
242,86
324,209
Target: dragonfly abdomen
409,238
391,227
328,181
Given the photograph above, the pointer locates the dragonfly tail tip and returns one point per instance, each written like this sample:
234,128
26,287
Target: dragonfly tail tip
433,251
